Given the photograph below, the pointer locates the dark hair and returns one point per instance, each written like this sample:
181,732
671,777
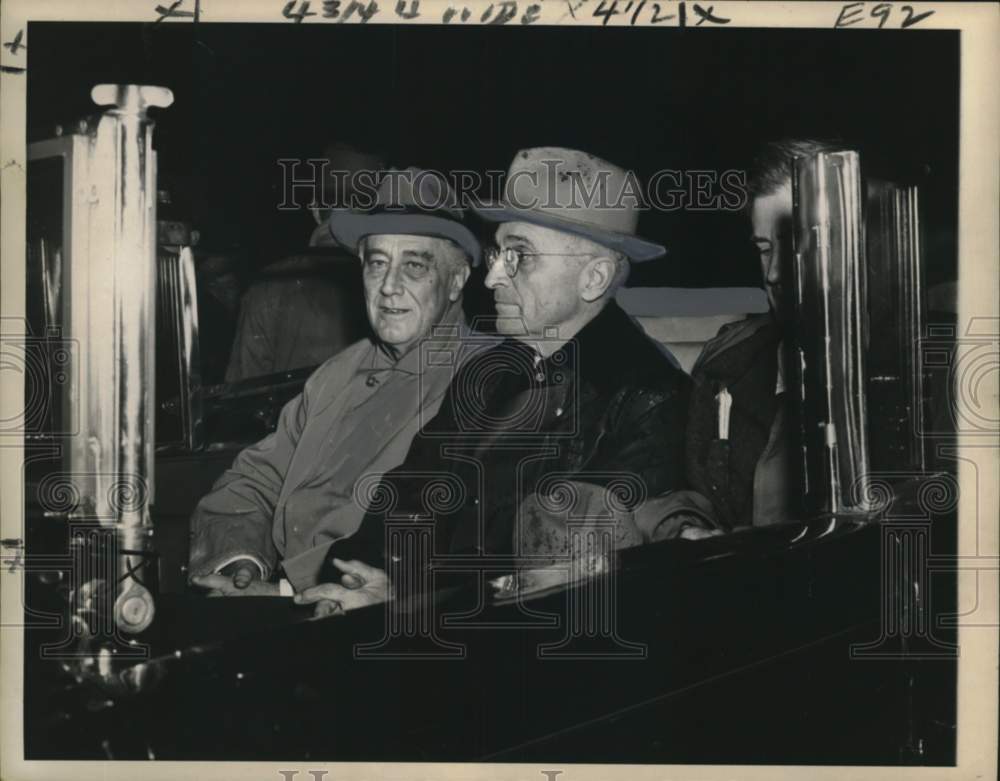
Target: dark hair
771,167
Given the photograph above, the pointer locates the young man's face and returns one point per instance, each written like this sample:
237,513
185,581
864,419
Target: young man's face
545,290
409,283
771,217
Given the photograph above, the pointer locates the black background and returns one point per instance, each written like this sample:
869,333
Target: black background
470,97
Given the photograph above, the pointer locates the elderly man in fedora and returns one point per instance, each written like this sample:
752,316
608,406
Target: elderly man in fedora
576,414
287,498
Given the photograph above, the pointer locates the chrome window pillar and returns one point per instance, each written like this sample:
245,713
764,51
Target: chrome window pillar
110,290
831,308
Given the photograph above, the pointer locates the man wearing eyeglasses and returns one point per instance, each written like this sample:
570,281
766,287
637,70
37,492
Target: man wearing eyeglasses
577,414
286,499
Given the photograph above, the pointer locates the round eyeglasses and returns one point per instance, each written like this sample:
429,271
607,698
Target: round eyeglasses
512,257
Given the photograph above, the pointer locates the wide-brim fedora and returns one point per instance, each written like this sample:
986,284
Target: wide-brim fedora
573,192
411,202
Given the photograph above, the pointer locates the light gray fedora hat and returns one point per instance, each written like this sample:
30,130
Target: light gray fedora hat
574,192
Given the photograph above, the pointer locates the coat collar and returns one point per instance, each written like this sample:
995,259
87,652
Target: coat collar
732,353
604,354
605,349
